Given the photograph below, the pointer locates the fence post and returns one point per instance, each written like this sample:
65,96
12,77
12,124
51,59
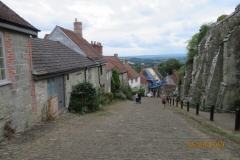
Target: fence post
177,102
170,100
188,106
212,113
197,108
181,104
237,120
173,100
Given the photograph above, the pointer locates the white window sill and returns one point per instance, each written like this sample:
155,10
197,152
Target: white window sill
5,83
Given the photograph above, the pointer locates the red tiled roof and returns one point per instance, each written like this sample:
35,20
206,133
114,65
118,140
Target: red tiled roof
116,63
143,79
174,78
46,35
109,66
131,72
83,44
8,15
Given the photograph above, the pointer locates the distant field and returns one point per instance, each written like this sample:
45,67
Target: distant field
149,60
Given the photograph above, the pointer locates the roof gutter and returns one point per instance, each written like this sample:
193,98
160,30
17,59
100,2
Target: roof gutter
19,28
37,76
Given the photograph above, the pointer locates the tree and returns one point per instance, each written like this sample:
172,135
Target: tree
221,17
137,68
115,81
166,67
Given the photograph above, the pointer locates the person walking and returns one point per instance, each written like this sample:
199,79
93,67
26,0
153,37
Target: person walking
136,98
139,97
164,99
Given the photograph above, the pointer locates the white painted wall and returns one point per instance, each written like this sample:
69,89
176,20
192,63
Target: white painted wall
134,83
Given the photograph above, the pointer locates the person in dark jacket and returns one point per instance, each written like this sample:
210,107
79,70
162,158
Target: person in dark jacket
139,97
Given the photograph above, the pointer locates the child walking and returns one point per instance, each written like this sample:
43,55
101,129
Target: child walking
164,99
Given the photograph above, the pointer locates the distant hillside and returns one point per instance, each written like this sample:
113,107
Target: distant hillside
149,60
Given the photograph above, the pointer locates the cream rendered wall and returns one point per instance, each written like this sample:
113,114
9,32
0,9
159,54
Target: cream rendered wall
133,84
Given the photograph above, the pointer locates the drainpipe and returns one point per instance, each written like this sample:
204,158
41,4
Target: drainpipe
122,78
99,77
85,74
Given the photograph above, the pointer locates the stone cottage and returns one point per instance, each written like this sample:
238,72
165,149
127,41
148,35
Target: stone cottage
133,77
56,68
75,41
18,108
109,69
123,73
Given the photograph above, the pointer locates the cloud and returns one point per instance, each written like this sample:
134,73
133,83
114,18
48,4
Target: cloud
126,27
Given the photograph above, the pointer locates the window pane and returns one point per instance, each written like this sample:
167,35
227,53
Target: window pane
49,86
1,63
2,74
53,88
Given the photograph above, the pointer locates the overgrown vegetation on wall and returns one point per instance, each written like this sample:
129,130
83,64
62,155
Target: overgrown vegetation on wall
115,81
192,44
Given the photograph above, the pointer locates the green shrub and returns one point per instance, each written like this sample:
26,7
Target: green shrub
108,97
235,104
141,91
83,94
221,17
192,105
120,96
134,93
127,91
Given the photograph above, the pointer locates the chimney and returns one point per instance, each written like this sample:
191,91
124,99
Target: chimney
126,61
100,48
97,46
142,66
78,27
115,55
156,65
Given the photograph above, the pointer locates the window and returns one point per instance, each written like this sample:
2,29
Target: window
3,68
124,75
51,89
132,81
136,80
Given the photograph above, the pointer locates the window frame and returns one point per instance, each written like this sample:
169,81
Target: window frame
6,80
51,87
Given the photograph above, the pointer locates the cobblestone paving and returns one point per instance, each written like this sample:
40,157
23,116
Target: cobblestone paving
124,130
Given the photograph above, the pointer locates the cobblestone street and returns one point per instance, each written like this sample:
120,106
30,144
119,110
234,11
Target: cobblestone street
124,130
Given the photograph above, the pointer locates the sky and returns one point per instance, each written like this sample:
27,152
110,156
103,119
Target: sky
129,28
